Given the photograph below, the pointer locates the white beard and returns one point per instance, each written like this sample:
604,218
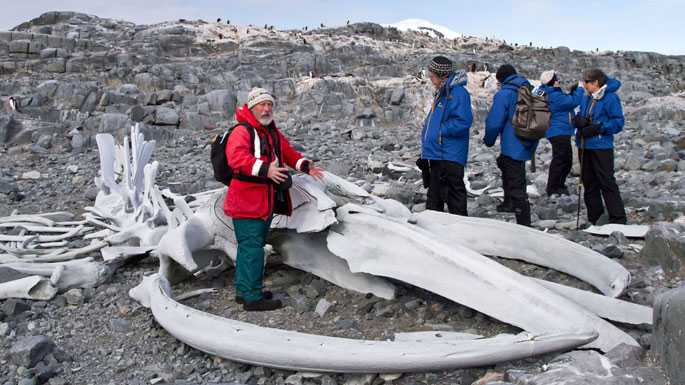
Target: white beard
265,121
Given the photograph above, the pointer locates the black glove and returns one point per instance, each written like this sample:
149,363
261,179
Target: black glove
581,122
592,130
424,166
573,88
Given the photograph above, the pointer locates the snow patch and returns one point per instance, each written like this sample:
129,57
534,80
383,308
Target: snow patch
420,25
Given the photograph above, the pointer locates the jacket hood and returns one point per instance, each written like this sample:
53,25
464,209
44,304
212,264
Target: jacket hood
245,115
515,81
613,85
457,78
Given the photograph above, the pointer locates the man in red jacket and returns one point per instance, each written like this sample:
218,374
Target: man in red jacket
257,153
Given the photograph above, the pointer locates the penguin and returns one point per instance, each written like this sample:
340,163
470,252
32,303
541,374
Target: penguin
228,22
13,104
218,20
323,26
348,22
305,27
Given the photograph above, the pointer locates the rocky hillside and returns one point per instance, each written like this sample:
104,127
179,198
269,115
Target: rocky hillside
351,97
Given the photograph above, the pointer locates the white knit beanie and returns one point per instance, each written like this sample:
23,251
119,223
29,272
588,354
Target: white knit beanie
258,95
547,77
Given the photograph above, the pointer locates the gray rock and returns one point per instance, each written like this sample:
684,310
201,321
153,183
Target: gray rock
194,121
625,356
345,324
45,141
221,102
397,96
665,245
120,325
166,116
114,123
669,327
13,307
612,251
28,351
8,185
4,329
322,307
74,297
19,46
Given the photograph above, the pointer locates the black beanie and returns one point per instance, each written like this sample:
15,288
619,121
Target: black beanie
441,66
504,71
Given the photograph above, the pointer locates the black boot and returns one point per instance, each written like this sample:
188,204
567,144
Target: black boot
505,207
265,294
263,305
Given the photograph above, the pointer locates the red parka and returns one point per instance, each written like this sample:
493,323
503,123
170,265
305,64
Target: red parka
252,199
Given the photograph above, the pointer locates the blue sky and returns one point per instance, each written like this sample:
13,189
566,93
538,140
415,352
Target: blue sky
644,25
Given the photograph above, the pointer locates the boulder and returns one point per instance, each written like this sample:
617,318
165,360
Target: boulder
665,246
165,116
114,122
221,102
669,328
28,351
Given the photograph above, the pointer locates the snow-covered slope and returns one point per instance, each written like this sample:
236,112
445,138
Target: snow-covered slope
425,26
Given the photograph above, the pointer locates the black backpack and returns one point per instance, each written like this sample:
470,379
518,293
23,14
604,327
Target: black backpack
223,173
532,115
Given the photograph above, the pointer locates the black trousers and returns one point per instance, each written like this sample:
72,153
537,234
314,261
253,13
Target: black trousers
598,180
514,185
562,161
446,185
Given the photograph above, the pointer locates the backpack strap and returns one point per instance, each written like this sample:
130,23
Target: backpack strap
256,149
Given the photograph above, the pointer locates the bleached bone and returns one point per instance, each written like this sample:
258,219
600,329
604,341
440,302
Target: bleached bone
341,187
435,336
33,287
507,240
42,238
308,252
244,342
605,307
71,254
471,191
451,270
43,229
28,218
80,273
630,231
116,252
194,293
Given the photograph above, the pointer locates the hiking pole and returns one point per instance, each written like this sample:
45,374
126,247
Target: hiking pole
580,180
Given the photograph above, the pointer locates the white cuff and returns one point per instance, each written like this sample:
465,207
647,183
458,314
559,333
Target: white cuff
256,166
298,165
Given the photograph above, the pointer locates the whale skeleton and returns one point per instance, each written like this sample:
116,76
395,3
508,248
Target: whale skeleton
343,234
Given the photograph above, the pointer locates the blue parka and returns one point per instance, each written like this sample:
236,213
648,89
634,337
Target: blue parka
498,122
445,134
562,106
608,111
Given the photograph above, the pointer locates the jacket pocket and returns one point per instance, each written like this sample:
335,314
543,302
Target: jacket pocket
248,200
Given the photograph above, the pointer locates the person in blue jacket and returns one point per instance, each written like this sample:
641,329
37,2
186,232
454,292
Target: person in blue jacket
445,138
562,106
599,118
514,150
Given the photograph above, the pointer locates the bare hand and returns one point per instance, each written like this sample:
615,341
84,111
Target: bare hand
316,172
277,174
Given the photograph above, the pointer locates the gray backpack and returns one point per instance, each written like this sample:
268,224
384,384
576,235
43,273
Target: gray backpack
532,115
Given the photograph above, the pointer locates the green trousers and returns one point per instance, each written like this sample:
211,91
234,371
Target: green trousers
249,268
